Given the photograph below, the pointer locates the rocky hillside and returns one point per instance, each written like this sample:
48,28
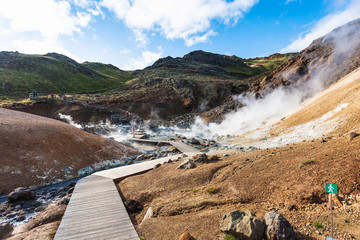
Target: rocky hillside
36,150
325,61
281,167
21,73
197,82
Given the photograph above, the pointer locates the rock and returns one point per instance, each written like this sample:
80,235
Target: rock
200,158
186,165
186,236
157,166
353,135
195,141
5,230
149,213
64,200
291,207
71,190
277,227
169,161
225,155
20,218
130,162
244,225
133,206
39,209
50,214
214,158
21,194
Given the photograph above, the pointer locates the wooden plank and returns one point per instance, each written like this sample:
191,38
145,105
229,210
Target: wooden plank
96,211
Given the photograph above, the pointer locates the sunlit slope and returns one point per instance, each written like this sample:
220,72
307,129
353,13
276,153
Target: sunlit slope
344,94
333,112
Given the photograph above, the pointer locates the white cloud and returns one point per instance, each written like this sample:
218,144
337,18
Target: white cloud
147,58
189,20
289,1
324,26
36,26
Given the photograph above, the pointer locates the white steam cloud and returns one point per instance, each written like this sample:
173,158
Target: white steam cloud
283,101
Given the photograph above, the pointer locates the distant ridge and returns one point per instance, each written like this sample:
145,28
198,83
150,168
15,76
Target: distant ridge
53,72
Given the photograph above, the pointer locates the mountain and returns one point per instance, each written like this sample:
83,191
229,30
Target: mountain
324,62
52,72
328,58
197,82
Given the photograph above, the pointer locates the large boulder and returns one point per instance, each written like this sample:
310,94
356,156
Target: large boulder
277,227
244,225
5,230
21,194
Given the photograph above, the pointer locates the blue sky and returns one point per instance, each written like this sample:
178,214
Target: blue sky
133,34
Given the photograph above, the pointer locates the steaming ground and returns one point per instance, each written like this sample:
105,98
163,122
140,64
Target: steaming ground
283,116
331,113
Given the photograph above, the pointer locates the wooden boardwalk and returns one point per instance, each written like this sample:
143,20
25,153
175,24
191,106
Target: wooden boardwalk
96,211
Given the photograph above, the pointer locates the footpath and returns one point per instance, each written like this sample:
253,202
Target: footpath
96,210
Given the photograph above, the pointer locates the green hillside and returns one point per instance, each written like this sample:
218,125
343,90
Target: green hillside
20,73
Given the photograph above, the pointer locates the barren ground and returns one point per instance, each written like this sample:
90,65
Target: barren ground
261,181
288,179
35,150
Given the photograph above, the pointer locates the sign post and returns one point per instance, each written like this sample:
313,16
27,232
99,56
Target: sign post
332,189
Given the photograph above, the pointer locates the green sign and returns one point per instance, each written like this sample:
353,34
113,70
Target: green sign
331,188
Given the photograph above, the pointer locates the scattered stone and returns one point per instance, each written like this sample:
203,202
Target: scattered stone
186,236
133,206
186,165
64,200
200,158
21,194
195,141
214,158
225,155
277,227
5,230
39,209
291,207
336,200
157,166
71,190
130,162
353,135
149,213
20,218
50,214
244,225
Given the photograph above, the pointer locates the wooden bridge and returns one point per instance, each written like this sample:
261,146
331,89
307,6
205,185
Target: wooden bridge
96,211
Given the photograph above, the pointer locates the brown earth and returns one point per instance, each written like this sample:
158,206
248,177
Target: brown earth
35,150
261,180
289,179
